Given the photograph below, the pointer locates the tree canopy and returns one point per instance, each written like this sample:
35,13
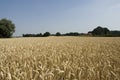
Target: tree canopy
96,32
58,34
7,28
46,34
100,31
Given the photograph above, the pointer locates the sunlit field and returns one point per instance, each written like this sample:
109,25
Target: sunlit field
60,58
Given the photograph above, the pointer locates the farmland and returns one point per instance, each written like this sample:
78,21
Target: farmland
60,58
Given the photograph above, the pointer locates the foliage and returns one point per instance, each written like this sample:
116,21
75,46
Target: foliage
58,34
32,35
4,32
100,31
114,34
72,34
46,34
7,28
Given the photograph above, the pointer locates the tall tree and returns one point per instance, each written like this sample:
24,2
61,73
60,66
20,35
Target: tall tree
7,28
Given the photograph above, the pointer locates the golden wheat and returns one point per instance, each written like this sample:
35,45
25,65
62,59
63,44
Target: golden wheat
60,58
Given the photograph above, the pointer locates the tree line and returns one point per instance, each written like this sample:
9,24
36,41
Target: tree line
46,34
97,32
7,28
104,32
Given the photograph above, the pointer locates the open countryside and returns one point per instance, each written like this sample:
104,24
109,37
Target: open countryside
60,58
59,39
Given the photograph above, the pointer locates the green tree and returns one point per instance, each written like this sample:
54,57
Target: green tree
46,34
100,31
106,30
7,28
58,34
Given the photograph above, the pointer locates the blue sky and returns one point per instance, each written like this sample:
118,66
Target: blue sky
35,16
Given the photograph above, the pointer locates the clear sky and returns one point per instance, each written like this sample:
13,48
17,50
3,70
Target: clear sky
39,16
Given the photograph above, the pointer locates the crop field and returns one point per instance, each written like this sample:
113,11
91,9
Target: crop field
60,58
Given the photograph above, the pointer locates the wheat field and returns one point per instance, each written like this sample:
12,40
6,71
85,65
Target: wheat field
60,58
